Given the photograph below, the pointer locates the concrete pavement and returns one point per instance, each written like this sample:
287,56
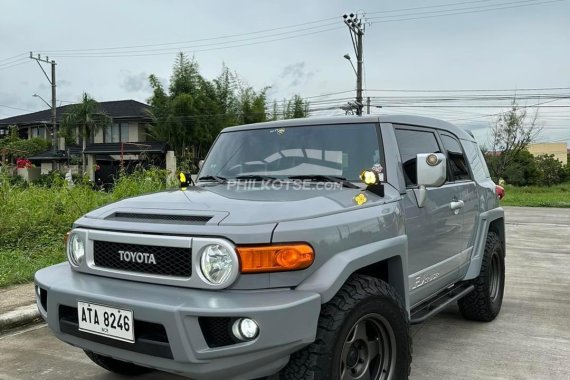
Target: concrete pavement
530,339
17,306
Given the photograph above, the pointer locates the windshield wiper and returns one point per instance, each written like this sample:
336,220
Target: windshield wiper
256,177
325,178
215,178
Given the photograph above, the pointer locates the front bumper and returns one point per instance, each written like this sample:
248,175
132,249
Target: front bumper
287,320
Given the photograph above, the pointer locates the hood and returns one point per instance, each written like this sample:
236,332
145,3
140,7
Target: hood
248,205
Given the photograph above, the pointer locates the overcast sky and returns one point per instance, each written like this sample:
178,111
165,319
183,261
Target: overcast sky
297,47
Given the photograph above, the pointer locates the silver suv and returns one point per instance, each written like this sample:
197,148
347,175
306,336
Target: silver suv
304,250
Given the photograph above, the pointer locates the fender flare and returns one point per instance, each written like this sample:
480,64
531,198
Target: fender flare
485,220
332,275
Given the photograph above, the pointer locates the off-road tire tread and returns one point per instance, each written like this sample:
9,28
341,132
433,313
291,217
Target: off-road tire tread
476,306
303,364
117,366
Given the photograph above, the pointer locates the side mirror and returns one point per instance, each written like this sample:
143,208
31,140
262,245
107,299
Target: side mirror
200,164
431,172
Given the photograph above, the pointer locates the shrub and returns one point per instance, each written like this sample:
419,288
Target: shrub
550,170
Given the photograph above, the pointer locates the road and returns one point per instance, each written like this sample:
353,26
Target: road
529,340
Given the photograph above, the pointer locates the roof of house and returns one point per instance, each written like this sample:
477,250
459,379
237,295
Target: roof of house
127,148
60,155
117,109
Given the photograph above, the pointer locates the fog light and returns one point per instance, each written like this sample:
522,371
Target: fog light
245,329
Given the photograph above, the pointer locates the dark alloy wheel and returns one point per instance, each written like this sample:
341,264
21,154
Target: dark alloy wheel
363,334
368,350
484,303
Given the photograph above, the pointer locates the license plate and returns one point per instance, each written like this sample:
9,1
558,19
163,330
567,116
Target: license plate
106,321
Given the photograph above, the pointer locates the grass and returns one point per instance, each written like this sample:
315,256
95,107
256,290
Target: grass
536,196
35,219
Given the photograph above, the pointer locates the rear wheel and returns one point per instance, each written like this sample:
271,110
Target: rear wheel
117,366
363,333
484,303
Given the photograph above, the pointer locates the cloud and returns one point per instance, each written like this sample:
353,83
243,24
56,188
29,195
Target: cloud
135,82
297,74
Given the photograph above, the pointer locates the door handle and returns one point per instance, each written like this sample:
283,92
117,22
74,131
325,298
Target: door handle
456,205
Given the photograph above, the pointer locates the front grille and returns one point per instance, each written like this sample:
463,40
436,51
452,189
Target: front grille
157,218
150,338
168,261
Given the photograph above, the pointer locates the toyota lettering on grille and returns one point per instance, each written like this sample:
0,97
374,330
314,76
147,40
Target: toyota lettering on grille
137,257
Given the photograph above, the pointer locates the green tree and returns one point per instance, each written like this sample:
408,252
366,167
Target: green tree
522,170
85,119
550,170
513,131
295,108
194,110
13,147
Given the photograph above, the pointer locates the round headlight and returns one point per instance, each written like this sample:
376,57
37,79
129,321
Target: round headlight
217,264
76,249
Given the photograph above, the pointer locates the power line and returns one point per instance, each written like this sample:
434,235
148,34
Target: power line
18,63
227,36
200,50
481,7
193,48
428,7
477,90
406,18
195,40
15,108
13,57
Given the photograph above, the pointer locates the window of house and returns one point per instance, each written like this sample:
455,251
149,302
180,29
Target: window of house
411,142
38,132
116,132
455,158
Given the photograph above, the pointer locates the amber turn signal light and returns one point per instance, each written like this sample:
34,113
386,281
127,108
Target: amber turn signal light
275,258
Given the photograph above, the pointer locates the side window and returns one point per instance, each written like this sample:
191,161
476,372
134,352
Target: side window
476,161
456,158
411,142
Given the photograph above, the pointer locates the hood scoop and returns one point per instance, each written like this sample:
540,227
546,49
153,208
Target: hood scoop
159,218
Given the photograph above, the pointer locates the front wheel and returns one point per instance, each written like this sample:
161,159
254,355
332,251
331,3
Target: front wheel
363,333
117,366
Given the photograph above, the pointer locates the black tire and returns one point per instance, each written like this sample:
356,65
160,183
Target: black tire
364,328
484,303
117,366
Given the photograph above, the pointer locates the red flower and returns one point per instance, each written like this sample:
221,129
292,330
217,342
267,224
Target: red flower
23,163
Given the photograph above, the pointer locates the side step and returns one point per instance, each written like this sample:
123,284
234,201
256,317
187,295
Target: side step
436,304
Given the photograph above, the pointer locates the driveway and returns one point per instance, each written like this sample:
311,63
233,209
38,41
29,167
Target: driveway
530,339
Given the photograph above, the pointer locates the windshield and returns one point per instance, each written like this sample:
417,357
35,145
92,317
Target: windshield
341,150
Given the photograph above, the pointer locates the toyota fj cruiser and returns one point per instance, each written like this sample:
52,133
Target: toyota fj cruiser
306,248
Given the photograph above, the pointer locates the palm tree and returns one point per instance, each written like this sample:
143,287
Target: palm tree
87,118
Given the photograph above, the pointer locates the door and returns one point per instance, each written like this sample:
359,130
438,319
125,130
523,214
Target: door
435,231
463,179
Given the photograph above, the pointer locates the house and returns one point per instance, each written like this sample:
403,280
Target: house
559,150
122,143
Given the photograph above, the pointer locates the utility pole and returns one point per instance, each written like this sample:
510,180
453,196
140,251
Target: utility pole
54,141
356,27
368,105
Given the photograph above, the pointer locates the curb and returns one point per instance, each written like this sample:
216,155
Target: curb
21,316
